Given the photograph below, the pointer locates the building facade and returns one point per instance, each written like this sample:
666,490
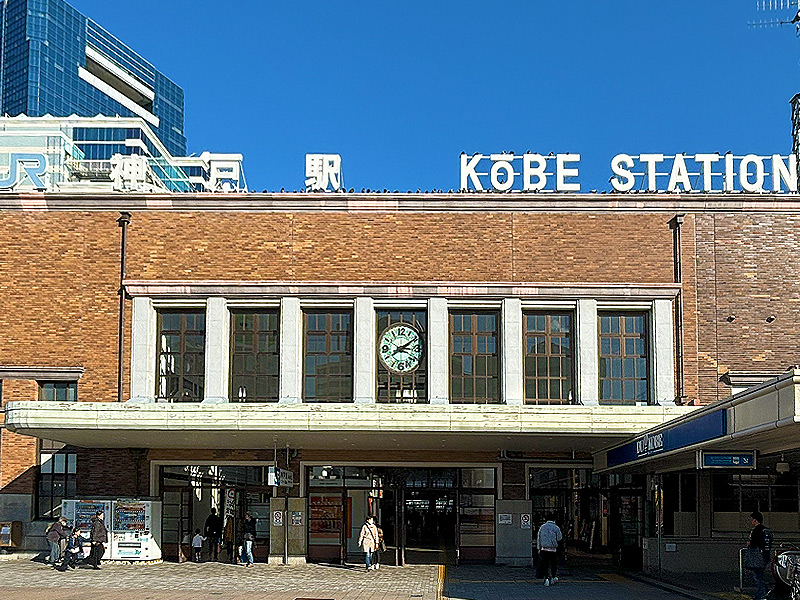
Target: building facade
56,61
447,362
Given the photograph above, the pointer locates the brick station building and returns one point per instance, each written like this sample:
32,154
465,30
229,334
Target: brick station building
547,327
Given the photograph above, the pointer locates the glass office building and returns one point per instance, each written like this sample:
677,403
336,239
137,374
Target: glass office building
59,62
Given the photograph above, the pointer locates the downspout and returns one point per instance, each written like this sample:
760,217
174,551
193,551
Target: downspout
123,222
675,224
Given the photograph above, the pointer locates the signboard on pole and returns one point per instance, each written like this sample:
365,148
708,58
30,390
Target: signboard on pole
280,477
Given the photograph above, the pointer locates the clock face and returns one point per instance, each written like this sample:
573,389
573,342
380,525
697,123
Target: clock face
400,348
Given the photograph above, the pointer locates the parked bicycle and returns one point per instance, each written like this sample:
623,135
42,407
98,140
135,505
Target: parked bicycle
786,571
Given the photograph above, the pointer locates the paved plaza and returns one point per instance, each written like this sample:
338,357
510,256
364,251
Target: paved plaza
27,580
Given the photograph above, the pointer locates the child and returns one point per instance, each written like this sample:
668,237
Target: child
197,545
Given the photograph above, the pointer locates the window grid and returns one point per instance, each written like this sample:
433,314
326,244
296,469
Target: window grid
624,369
548,358
58,391
181,356
254,356
474,358
408,387
328,360
56,482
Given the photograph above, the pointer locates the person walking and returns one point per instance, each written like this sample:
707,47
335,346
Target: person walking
547,539
74,550
98,536
249,530
197,546
368,540
213,533
760,538
55,533
376,556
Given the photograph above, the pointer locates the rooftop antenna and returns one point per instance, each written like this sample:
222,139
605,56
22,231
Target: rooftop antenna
791,9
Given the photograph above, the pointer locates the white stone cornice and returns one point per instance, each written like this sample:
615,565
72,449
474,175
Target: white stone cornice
418,289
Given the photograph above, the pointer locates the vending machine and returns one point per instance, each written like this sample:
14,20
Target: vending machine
135,530
134,525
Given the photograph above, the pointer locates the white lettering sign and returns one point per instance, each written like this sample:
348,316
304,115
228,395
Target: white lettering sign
650,172
323,172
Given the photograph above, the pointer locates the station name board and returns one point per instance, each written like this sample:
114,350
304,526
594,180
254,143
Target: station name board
532,172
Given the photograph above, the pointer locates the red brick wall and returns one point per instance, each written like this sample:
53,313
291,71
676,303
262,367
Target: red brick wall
18,452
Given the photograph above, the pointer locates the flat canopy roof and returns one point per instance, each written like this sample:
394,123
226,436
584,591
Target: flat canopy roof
764,418
334,426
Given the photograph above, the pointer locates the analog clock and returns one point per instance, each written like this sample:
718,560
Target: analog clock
400,348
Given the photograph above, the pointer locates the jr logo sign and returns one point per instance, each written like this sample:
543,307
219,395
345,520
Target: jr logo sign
21,165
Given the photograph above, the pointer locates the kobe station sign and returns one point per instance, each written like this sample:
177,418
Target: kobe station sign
531,172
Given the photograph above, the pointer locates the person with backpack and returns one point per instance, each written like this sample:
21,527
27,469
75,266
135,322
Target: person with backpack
761,539
54,533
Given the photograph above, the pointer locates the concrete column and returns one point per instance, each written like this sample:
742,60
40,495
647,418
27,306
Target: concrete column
364,369
438,351
587,352
663,346
218,328
291,352
143,349
511,349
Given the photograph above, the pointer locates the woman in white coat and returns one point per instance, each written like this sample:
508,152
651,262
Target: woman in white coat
368,540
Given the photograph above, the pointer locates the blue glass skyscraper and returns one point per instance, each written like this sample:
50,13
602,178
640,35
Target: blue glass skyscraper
54,60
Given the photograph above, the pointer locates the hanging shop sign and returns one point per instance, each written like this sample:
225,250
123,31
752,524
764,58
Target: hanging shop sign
726,460
280,477
533,172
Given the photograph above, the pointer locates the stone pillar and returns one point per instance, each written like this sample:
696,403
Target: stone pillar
143,349
364,369
218,327
291,352
511,348
438,351
663,353
587,354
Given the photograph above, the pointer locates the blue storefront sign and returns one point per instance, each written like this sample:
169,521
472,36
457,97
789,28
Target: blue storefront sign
693,431
727,460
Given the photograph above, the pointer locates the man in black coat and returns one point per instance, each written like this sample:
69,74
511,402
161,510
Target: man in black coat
213,532
759,538
98,537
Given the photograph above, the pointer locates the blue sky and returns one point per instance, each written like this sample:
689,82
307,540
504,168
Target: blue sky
400,89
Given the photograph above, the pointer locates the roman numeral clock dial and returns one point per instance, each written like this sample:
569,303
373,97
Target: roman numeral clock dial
400,348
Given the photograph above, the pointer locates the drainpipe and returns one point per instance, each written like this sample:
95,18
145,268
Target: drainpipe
675,224
123,222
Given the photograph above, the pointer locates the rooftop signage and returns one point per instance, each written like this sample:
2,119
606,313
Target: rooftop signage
25,168
532,172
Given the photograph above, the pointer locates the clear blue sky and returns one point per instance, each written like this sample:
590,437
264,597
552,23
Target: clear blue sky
400,89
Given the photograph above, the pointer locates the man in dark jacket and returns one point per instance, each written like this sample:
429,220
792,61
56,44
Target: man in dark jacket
74,551
213,532
759,539
55,533
98,537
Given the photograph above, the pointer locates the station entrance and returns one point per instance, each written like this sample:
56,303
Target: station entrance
189,492
432,515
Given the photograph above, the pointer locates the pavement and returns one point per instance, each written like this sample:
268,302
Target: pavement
28,580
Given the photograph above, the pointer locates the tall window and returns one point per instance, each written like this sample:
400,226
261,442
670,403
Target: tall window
181,355
548,358
58,391
254,356
328,373
406,387
623,358
56,479
474,358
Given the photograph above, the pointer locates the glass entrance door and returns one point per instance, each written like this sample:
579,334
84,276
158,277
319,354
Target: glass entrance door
176,524
430,527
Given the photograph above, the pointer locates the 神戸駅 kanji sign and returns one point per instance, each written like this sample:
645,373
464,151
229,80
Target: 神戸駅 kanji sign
532,172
